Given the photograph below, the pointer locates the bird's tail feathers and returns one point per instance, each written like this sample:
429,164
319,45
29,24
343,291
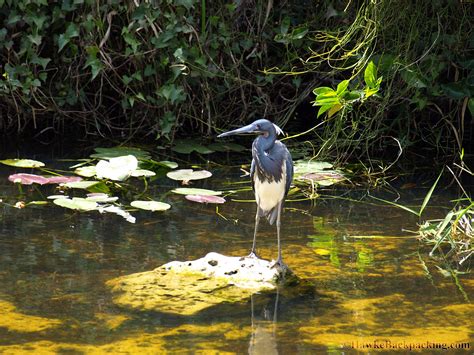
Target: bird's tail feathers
270,215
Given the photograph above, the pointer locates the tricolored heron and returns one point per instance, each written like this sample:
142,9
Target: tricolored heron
271,173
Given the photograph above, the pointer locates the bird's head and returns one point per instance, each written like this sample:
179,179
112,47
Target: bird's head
262,126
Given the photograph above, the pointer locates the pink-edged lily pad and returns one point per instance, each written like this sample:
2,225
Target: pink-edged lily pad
28,179
205,199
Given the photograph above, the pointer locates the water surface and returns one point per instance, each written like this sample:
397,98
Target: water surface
355,292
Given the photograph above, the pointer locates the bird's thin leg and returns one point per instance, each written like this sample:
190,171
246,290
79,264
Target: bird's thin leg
279,261
253,252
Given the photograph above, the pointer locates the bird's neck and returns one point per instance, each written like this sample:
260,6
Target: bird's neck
265,143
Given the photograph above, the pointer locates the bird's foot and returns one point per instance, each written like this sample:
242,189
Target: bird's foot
253,255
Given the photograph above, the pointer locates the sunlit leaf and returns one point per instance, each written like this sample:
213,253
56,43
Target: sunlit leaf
188,174
142,173
195,191
370,75
86,171
101,197
22,163
118,169
54,197
341,87
151,205
76,203
81,184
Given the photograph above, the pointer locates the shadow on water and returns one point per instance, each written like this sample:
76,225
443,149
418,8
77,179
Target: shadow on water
363,280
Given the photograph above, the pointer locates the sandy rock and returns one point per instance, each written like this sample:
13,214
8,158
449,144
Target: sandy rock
190,286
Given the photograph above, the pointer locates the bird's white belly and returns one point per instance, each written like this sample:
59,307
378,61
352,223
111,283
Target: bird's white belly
269,194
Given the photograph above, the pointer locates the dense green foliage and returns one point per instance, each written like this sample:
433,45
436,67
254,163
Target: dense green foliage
125,68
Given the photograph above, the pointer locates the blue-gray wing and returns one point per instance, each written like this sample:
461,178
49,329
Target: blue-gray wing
252,173
289,171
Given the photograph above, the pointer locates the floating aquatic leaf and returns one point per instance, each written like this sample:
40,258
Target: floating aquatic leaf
81,184
22,163
28,179
142,172
195,191
205,198
189,146
100,197
37,203
76,203
151,205
54,197
317,172
107,153
188,174
118,211
86,171
227,147
323,178
305,166
168,164
118,169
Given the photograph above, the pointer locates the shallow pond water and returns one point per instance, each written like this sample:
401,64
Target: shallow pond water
364,281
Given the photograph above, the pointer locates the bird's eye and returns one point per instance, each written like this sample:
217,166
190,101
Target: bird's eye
257,126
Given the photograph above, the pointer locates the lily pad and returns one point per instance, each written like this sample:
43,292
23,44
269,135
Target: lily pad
305,166
28,179
205,199
76,203
151,205
54,197
118,168
195,191
81,184
142,172
86,171
22,163
107,153
189,146
188,174
168,164
100,197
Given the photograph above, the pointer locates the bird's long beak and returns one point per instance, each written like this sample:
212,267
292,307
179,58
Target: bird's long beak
243,130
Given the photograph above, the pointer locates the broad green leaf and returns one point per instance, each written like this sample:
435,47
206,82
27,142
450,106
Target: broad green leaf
324,90
195,191
76,203
470,105
188,174
323,109
342,87
151,205
189,146
335,108
370,75
22,163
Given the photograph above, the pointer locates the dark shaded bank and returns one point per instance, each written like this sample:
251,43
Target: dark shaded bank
167,68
